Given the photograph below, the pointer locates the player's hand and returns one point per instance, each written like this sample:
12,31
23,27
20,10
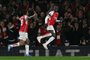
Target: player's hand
35,14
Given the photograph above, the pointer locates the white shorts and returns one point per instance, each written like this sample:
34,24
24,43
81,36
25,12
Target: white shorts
50,27
23,36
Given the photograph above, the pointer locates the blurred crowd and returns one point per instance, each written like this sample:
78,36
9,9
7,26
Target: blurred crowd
74,28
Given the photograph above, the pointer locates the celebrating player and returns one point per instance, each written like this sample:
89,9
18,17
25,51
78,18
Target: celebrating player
23,33
50,20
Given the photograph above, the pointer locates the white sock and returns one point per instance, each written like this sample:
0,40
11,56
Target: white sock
46,35
15,45
50,40
27,49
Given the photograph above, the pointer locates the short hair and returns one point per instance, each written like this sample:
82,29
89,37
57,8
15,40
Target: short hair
31,12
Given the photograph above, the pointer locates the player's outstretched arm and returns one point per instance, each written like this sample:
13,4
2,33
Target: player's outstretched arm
35,14
58,21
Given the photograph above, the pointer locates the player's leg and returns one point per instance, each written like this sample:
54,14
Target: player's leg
43,36
20,43
27,47
51,39
52,31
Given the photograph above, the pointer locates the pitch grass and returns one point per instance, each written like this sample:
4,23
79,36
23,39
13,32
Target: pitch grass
44,58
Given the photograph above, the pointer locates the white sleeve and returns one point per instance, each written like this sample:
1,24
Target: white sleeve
51,13
48,16
46,19
30,17
57,20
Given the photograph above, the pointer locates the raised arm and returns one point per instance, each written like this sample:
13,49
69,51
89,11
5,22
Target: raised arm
35,14
48,16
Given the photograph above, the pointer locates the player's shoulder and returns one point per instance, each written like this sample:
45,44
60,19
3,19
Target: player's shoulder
24,16
51,12
56,13
21,17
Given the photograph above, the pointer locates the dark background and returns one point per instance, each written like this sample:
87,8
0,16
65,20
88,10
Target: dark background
75,16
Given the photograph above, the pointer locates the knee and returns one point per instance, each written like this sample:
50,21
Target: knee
27,42
22,42
53,35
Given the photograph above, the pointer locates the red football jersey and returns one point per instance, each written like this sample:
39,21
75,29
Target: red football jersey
53,18
24,23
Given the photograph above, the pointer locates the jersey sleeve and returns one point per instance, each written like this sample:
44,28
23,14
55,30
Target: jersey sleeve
46,19
51,13
48,16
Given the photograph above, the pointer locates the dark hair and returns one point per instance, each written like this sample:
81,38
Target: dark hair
31,12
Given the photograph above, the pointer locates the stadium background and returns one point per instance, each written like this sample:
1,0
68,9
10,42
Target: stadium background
74,27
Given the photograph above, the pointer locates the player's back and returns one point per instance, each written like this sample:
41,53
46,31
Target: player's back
53,18
24,23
